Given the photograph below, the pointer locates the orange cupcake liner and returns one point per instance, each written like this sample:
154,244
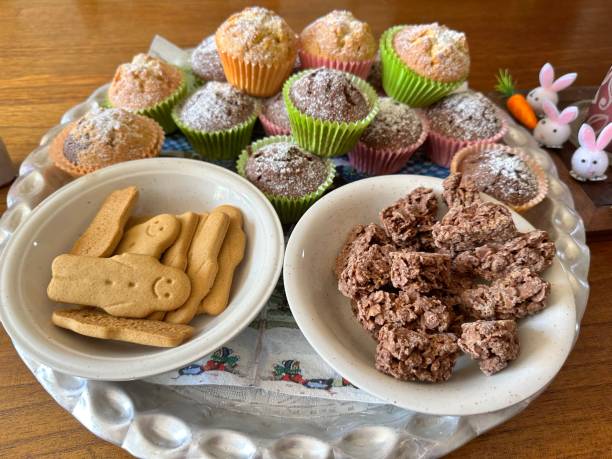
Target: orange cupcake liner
258,80
56,151
526,157
382,161
441,148
359,68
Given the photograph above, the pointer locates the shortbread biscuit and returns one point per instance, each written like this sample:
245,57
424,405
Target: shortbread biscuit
106,229
230,257
176,255
126,285
202,264
98,324
151,237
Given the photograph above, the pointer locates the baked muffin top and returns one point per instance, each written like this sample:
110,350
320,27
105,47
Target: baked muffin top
257,35
329,95
501,173
434,51
143,83
205,61
285,169
216,106
275,110
465,115
340,36
396,125
103,137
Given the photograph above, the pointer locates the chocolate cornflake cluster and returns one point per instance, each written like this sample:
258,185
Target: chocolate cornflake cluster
491,261
408,222
416,356
493,343
416,284
519,294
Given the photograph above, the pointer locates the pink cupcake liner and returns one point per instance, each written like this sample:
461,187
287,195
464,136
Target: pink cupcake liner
441,148
359,68
271,128
381,161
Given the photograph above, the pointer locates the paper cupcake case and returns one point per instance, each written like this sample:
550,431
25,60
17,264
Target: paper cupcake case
381,161
402,83
162,111
77,170
258,80
328,138
359,68
526,157
217,145
441,148
289,209
271,128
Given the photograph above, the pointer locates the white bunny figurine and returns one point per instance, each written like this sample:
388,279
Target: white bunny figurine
554,130
590,161
549,87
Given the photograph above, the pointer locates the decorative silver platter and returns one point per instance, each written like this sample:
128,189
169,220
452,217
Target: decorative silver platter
151,420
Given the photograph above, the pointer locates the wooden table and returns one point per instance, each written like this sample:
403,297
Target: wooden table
53,54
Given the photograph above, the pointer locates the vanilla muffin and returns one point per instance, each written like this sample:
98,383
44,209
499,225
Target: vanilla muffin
337,36
434,51
205,61
103,137
148,86
257,49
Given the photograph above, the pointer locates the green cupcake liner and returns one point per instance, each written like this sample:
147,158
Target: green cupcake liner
216,145
402,83
328,138
162,111
289,209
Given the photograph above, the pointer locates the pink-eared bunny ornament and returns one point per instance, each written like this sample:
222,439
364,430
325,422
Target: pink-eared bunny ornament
554,130
549,87
590,161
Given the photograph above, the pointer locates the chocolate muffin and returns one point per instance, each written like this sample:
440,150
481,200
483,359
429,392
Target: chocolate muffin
329,95
285,169
103,137
205,61
275,111
395,126
216,106
467,116
500,172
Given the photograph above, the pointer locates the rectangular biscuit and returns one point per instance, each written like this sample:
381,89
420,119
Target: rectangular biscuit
97,324
106,229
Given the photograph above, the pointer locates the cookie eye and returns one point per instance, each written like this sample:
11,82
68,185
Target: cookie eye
537,98
543,121
554,130
594,161
583,160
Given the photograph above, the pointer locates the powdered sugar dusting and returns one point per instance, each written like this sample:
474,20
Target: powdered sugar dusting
284,169
276,111
216,106
504,175
205,61
327,94
466,116
395,125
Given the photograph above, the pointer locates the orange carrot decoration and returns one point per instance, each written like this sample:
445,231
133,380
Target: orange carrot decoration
516,103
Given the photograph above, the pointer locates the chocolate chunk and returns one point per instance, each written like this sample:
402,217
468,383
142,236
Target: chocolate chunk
358,240
365,271
459,190
420,271
492,343
415,356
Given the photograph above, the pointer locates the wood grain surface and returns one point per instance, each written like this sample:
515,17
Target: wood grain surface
53,54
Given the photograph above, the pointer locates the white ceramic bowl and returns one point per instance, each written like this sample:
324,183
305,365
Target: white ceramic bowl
325,316
169,185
